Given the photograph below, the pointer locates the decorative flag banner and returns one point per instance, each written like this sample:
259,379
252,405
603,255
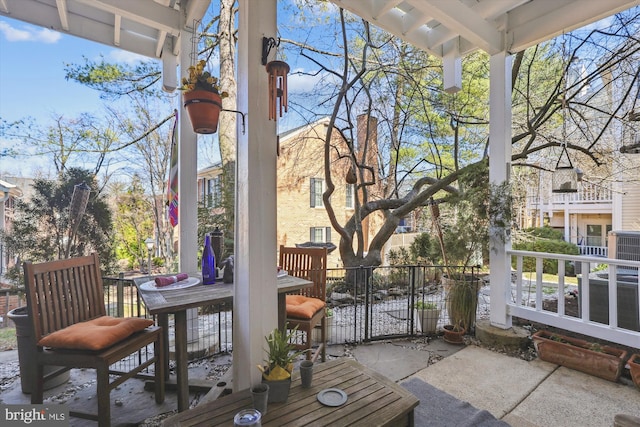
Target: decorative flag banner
172,187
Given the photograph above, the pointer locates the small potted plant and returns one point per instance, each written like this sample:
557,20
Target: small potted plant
202,98
428,313
462,301
276,372
317,331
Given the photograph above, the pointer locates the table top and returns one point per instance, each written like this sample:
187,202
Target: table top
170,301
372,399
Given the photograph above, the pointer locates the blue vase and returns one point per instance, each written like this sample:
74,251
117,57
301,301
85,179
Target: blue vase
208,262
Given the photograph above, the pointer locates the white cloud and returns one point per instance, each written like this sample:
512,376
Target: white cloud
123,56
34,34
301,83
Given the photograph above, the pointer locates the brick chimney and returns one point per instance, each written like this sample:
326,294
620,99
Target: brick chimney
367,144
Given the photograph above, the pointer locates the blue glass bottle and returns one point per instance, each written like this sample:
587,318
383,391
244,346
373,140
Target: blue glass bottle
208,262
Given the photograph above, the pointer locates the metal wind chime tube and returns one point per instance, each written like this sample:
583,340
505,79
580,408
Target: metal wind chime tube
278,71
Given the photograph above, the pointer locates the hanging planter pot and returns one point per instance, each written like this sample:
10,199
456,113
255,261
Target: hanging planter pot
203,108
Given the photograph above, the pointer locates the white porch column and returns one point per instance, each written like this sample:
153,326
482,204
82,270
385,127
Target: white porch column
499,171
187,175
187,189
255,294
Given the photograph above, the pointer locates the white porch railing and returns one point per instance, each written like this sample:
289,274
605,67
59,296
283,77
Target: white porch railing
526,300
600,251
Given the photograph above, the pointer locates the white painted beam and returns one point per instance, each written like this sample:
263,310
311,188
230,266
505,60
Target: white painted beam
117,26
462,20
150,14
63,14
162,36
537,21
499,171
452,67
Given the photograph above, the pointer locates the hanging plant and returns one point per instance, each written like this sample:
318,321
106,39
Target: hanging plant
202,98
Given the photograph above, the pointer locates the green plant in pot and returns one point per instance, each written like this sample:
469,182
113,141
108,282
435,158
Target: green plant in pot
428,313
279,364
462,302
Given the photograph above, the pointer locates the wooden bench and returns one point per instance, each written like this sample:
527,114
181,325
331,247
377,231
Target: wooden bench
60,295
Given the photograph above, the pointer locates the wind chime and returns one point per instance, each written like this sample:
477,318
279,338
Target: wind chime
278,71
565,176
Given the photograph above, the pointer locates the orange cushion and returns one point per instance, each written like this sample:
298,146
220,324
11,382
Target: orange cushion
95,334
302,307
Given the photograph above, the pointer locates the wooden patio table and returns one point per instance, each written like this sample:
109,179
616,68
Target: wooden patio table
372,400
178,301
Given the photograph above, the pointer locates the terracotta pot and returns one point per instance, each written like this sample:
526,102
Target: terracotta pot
574,353
634,368
453,335
203,108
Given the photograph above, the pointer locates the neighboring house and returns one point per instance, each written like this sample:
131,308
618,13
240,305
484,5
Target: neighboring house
599,206
302,216
210,186
9,192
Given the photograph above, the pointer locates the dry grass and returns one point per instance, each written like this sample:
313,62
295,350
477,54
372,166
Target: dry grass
8,340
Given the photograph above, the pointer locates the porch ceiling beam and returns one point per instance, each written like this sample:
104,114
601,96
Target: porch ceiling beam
150,14
535,22
463,20
63,14
117,25
380,7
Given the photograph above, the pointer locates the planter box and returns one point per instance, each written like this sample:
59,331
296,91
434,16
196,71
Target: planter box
577,354
634,368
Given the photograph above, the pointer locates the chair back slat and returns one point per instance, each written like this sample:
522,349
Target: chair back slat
307,263
63,292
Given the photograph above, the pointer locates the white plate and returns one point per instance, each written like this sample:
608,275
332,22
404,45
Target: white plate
187,283
332,397
282,273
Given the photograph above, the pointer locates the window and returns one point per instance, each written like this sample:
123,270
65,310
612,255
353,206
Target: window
213,193
317,185
320,234
349,200
594,235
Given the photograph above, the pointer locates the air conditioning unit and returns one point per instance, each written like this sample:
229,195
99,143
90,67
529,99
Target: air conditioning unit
625,244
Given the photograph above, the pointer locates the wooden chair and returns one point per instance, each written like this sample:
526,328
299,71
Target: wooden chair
307,308
62,293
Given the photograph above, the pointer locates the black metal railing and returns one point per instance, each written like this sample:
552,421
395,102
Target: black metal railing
363,304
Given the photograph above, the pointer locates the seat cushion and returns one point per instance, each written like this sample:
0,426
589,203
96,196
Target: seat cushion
95,334
301,307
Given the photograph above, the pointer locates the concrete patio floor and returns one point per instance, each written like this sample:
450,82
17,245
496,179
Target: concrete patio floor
521,393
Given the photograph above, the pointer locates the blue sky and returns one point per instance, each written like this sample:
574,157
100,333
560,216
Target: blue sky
32,82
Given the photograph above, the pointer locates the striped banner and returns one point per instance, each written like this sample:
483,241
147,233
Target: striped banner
172,187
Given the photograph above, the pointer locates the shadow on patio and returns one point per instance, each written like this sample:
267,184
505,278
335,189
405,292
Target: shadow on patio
517,388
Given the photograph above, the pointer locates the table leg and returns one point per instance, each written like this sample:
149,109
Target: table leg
282,312
163,322
182,379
